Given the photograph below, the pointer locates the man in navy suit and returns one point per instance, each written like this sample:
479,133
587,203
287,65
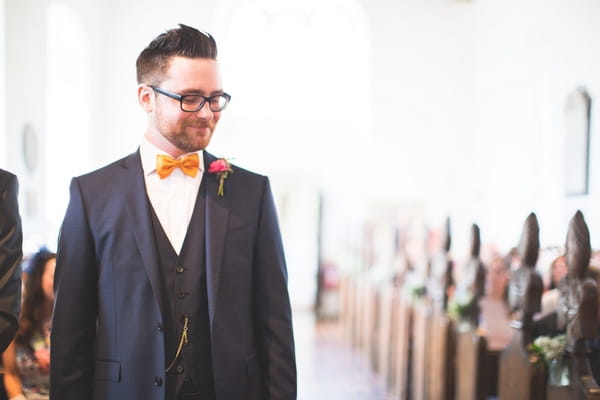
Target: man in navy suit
171,280
11,253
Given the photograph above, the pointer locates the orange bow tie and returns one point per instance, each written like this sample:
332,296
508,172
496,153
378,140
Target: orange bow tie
188,165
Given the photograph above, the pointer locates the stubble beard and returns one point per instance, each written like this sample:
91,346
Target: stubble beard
189,142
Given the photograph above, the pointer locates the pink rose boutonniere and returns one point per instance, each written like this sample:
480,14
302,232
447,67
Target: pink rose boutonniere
222,168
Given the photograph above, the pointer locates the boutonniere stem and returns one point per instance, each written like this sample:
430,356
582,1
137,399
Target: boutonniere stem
222,169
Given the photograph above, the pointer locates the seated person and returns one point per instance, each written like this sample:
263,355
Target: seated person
494,318
558,270
26,361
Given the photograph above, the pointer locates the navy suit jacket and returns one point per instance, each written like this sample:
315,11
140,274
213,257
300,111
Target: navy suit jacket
107,341
11,253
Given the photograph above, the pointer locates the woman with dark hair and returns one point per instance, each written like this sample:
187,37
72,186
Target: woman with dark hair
27,359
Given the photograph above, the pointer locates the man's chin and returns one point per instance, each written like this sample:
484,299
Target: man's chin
196,146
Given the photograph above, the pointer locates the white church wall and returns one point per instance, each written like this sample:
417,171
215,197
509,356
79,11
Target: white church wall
458,107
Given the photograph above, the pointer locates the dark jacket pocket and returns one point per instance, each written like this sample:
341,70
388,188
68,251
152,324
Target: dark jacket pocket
252,365
107,370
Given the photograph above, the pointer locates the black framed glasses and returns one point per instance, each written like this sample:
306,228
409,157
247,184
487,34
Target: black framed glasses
195,102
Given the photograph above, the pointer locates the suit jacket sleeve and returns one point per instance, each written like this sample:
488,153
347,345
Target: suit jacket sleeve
273,307
11,253
75,309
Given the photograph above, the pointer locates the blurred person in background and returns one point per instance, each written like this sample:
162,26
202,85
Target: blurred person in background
11,253
513,259
495,316
26,361
558,270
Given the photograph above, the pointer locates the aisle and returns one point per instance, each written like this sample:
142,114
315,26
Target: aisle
327,368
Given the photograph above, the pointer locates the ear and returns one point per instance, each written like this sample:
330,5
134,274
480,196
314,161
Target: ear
146,97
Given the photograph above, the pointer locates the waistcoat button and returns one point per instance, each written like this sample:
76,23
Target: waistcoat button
179,270
157,381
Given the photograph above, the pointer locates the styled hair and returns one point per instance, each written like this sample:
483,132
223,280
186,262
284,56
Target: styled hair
33,296
184,41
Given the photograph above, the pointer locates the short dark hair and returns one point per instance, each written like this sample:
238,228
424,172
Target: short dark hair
184,41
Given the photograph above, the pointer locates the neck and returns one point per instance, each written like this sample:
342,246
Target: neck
162,143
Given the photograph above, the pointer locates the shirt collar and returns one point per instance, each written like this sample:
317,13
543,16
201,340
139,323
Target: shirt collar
148,153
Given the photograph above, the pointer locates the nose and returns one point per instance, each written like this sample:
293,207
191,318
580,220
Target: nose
205,112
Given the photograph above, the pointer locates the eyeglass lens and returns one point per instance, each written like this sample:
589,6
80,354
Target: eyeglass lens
194,103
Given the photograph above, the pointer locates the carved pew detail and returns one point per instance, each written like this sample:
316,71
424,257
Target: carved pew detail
577,315
476,364
441,337
521,375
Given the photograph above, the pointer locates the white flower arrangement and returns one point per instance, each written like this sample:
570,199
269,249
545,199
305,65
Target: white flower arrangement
550,348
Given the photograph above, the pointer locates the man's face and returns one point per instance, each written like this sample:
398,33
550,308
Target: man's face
171,129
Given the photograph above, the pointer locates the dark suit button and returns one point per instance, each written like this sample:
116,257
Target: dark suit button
157,381
179,369
180,270
181,295
160,327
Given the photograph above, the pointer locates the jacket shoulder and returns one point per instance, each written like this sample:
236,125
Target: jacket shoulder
8,181
110,171
6,176
238,171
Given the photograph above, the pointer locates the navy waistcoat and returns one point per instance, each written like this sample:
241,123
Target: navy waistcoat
185,295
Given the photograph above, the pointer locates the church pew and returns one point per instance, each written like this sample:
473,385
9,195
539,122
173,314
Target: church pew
356,311
365,314
442,339
384,337
440,336
391,376
402,331
421,318
577,314
521,375
582,385
347,307
477,367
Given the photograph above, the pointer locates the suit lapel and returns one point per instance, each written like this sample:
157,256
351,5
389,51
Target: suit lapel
138,208
217,216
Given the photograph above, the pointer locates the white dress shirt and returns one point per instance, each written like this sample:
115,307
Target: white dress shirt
174,197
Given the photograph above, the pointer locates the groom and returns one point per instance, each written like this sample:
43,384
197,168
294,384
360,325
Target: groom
171,280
